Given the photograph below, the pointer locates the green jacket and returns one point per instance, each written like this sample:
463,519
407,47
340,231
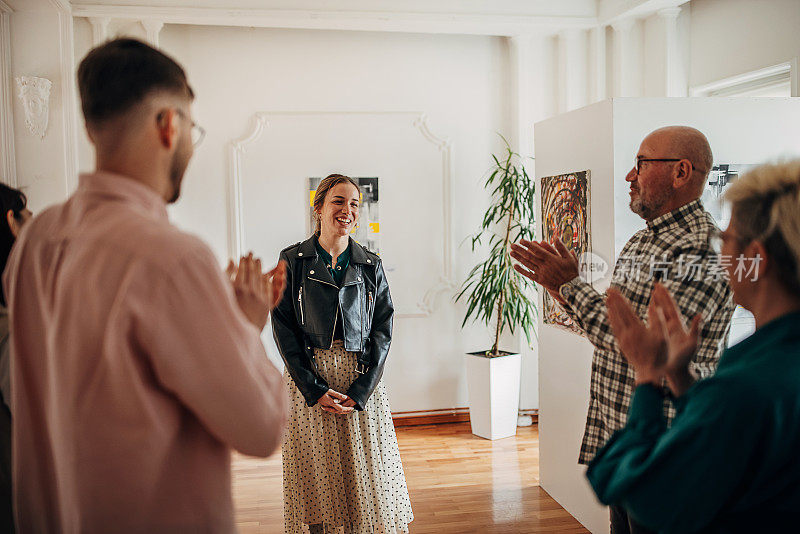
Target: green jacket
730,461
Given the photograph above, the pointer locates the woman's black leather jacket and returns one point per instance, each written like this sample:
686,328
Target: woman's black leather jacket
305,318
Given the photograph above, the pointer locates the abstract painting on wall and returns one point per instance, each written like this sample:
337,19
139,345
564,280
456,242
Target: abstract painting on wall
368,230
565,216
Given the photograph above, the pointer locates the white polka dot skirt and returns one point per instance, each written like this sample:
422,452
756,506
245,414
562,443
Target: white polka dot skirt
342,474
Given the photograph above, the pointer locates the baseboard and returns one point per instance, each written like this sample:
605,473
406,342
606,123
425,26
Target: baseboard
448,415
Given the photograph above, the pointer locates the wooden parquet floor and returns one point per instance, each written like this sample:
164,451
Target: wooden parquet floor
458,483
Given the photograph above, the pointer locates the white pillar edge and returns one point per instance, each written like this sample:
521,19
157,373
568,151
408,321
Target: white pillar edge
69,98
9,158
669,18
521,92
153,29
99,29
622,56
598,92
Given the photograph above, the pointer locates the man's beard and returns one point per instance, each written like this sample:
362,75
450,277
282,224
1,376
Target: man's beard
176,172
637,207
647,210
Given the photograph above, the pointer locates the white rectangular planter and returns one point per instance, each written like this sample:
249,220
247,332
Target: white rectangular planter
493,385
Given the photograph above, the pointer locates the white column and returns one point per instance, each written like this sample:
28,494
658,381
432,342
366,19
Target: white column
625,71
673,79
572,69
153,29
8,165
598,61
519,49
529,89
69,96
99,29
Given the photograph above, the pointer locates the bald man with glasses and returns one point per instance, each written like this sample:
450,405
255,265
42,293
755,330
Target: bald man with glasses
675,248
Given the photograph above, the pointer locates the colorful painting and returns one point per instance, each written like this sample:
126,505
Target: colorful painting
368,230
565,215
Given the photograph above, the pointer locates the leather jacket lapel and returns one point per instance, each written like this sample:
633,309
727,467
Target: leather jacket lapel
317,270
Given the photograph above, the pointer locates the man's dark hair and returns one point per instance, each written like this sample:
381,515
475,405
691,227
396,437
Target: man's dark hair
117,75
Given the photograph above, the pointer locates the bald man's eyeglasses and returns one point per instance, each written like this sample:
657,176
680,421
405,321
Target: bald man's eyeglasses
639,162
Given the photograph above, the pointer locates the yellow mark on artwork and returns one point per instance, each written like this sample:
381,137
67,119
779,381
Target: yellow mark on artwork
375,228
313,194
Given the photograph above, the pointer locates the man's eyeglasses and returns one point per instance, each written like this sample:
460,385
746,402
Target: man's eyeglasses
639,162
198,132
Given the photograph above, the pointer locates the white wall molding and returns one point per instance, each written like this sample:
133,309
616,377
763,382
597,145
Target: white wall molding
61,5
445,283
775,73
610,11
388,21
99,29
8,165
153,29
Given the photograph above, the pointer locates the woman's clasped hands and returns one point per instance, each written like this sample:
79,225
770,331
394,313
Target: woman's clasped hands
337,403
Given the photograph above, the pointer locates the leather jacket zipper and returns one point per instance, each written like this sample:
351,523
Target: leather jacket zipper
333,331
300,301
369,309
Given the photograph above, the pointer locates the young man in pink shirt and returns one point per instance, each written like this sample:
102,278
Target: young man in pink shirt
137,364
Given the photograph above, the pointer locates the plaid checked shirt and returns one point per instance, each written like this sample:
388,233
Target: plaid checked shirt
675,250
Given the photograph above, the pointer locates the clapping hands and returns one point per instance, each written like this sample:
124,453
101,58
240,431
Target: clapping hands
549,265
661,349
257,293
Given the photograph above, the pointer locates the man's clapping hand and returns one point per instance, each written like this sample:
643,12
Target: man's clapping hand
257,293
661,349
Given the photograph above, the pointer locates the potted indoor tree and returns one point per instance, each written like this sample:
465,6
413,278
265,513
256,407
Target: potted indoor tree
498,296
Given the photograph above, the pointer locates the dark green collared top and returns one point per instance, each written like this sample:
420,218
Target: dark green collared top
338,270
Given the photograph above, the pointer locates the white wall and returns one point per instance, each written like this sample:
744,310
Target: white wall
740,130
731,37
459,82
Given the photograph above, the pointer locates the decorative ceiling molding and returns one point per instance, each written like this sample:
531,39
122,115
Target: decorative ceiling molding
61,5
444,283
396,21
609,11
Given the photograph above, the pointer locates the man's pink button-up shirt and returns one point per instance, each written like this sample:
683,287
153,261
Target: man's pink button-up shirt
133,370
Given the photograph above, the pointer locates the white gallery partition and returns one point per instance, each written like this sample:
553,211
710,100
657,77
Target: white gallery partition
604,139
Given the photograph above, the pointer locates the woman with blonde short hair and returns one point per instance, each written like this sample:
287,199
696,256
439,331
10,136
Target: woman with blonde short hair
729,461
